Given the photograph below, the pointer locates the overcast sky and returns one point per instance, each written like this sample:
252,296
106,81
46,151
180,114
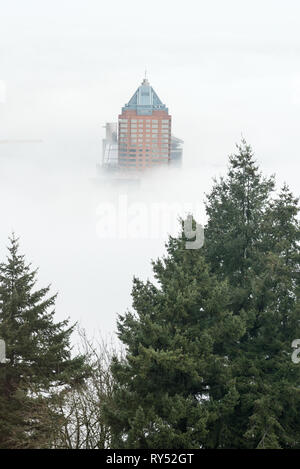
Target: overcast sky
224,68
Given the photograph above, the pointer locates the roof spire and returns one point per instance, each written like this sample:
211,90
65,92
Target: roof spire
145,80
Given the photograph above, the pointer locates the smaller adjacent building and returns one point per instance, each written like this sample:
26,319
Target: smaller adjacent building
110,146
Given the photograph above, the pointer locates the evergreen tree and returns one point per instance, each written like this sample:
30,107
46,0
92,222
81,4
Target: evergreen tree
208,350
275,291
235,208
253,241
39,355
176,378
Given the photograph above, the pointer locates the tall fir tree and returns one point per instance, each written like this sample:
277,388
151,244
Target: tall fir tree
39,354
175,379
235,208
208,351
253,241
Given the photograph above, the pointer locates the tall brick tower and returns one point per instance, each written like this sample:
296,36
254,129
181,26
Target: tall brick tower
144,131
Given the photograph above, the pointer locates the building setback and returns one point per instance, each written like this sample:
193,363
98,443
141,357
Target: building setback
144,129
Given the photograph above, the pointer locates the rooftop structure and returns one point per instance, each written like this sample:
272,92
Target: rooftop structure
145,101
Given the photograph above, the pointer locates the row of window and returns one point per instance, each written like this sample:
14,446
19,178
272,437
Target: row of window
154,131
139,143
141,123
125,163
147,145
147,128
143,134
147,151
153,150
141,127
127,140
142,131
133,142
147,138
139,138
141,155
134,121
154,142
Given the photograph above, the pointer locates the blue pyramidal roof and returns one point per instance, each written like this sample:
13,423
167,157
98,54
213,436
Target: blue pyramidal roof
145,100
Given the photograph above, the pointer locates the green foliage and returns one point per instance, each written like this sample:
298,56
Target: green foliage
208,348
39,354
177,355
264,280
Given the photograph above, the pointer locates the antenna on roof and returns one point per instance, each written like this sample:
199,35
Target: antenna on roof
145,81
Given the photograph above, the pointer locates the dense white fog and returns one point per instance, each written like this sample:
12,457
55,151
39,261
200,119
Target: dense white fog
89,235
223,69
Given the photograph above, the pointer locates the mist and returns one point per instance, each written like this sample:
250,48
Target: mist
69,67
88,234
